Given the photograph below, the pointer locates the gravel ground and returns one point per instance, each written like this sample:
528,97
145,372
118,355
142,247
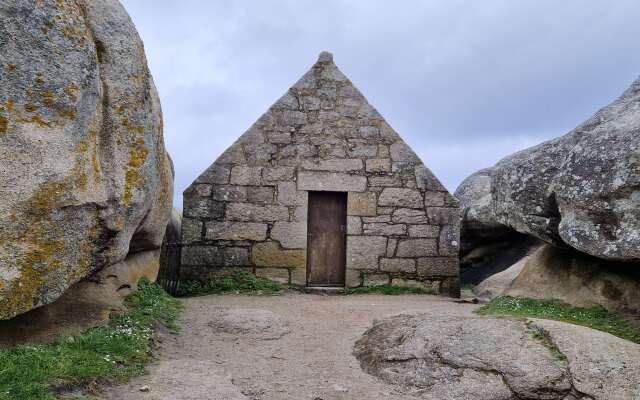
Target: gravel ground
294,346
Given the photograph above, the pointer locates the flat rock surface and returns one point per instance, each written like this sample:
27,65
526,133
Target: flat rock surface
313,361
472,357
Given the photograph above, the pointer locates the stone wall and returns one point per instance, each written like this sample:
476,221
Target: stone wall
248,211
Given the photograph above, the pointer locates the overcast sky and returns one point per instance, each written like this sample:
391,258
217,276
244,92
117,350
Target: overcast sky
464,82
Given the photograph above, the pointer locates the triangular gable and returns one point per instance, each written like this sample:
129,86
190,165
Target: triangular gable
322,117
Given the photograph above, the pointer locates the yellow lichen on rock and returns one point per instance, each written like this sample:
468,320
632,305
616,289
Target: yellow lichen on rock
47,98
133,179
3,124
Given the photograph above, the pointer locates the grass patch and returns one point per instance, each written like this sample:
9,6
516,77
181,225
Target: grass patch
387,290
238,283
543,337
467,286
111,353
595,317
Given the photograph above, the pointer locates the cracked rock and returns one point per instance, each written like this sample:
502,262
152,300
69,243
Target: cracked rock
469,357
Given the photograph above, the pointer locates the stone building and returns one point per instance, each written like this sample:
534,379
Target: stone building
321,191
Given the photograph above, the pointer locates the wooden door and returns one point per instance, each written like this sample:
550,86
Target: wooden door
326,239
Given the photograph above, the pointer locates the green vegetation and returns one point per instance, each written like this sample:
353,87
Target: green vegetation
543,336
467,286
111,353
595,317
238,283
387,289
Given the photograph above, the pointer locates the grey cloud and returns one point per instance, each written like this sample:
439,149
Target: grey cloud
465,83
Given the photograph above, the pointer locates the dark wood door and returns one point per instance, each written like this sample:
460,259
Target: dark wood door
326,239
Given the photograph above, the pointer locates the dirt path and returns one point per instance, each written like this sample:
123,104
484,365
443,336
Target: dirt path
294,347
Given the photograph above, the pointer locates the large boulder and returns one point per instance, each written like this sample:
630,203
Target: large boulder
581,190
497,284
85,180
574,278
470,357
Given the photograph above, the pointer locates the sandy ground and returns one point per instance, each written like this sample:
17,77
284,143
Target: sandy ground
294,347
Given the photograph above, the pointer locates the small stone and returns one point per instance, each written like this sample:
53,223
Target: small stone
449,240
299,276
235,231
290,235
229,193
432,199
191,230
428,231
335,165
400,152
363,251
368,131
353,278
325,57
385,181
391,247
376,279
201,255
443,215
203,190
409,216
362,204
438,266
417,248
431,286
376,220
398,265
354,225
288,101
279,137
289,195
384,229
215,174
280,275
241,175
363,150
269,254
276,174
144,388
202,207
375,165
256,213
292,118
426,180
260,194
331,181
311,103
400,197
233,155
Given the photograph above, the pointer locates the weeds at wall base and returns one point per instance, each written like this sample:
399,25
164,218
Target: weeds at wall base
112,353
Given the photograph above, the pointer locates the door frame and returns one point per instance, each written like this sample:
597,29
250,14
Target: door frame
344,238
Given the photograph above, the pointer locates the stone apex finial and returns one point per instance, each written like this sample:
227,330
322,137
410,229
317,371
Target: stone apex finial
325,56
